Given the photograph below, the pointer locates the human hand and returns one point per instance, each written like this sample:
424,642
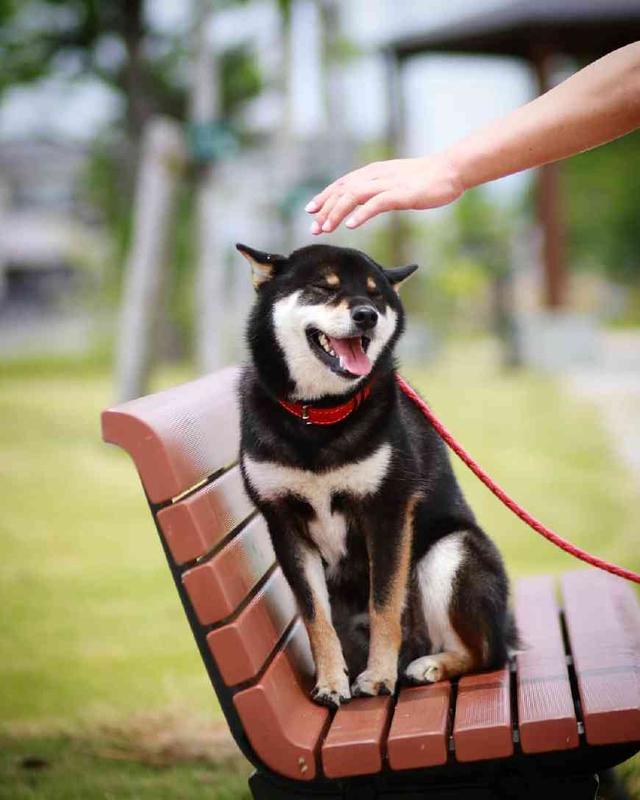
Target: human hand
403,183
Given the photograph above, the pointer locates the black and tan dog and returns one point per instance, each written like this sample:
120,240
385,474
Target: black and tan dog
388,565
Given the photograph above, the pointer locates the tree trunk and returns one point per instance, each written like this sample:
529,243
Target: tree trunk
162,158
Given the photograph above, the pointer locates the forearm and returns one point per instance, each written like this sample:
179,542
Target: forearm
599,103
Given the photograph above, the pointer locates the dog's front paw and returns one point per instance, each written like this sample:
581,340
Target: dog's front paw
428,669
332,692
370,684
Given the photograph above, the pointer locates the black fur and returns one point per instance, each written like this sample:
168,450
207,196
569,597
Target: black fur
419,465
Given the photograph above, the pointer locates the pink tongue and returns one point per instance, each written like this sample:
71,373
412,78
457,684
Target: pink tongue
352,356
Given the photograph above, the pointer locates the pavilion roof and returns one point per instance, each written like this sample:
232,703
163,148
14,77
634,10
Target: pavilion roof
581,28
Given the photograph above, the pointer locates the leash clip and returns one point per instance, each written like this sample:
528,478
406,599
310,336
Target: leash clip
305,415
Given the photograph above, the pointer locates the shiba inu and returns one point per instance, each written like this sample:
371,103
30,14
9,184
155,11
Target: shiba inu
391,572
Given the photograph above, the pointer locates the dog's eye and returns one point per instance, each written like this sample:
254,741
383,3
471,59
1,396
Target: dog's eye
322,287
375,294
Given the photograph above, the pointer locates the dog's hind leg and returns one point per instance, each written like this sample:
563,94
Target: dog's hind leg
389,562
437,573
464,590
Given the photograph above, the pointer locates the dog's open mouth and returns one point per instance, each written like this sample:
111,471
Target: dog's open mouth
346,357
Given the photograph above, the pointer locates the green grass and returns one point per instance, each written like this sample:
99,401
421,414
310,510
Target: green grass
67,768
90,625
92,634
547,450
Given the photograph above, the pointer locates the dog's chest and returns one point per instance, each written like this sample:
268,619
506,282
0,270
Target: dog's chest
327,529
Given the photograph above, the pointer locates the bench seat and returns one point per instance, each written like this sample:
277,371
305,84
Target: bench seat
568,702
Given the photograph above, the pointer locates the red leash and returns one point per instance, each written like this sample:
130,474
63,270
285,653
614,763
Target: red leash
504,497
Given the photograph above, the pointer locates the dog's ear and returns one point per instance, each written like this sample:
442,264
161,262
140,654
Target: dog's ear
399,275
263,265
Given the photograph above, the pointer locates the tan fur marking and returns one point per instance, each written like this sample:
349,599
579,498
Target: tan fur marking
472,638
332,683
371,284
332,279
440,666
325,645
454,664
385,622
260,273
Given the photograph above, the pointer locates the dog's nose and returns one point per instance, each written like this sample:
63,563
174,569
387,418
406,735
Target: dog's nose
365,317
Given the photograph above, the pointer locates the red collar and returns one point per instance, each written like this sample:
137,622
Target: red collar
328,415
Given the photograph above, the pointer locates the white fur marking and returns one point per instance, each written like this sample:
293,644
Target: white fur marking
436,572
327,530
312,378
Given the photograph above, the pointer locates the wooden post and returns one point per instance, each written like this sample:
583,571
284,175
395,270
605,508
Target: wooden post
549,209
162,159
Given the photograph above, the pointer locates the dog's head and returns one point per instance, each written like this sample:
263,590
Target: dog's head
324,319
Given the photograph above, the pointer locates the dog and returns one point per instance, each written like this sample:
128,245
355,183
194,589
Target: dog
390,570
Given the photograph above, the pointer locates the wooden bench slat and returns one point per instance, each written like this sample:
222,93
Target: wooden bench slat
281,721
605,655
482,724
241,647
179,437
546,713
418,733
354,744
196,524
628,609
218,586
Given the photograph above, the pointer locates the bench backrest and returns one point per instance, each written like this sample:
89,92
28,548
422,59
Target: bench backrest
184,443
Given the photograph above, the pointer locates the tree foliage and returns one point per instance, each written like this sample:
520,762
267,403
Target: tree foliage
602,199
113,41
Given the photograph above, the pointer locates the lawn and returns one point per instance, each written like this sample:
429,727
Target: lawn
94,649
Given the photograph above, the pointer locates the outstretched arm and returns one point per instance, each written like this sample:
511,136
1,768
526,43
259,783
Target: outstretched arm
599,103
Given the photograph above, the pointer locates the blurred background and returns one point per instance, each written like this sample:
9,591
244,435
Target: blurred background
139,140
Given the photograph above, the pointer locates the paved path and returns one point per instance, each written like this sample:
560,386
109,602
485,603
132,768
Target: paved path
614,387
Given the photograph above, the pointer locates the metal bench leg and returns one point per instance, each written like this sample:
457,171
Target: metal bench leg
265,787
567,787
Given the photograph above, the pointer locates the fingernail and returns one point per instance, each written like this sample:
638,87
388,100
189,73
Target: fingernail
315,228
351,222
326,227
310,207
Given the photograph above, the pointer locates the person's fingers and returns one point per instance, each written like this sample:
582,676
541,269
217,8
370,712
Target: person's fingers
344,205
343,183
321,216
384,201
316,203
350,200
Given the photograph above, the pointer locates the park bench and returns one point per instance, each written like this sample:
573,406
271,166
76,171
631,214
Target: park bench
565,709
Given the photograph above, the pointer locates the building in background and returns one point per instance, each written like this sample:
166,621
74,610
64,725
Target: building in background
51,248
